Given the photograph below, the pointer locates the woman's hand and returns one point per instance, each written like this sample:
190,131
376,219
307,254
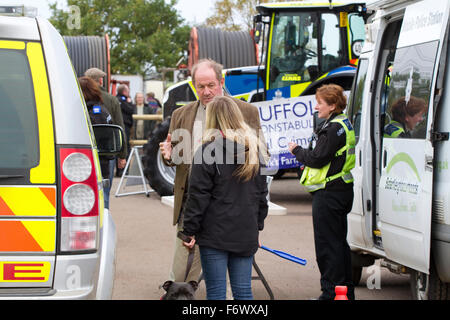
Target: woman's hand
291,146
190,244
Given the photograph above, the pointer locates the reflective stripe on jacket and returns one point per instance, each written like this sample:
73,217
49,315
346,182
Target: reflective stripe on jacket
315,179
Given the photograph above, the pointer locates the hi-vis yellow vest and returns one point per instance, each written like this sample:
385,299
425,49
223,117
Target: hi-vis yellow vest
315,179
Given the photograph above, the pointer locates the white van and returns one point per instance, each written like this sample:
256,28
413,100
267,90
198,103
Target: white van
400,106
57,241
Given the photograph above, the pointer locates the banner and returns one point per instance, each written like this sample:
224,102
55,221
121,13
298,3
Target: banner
285,120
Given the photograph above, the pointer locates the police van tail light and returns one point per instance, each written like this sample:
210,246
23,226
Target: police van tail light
79,200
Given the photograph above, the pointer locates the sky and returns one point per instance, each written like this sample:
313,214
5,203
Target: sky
194,12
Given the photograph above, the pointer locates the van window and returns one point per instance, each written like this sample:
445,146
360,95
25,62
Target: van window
331,42
410,88
19,142
354,111
293,55
357,34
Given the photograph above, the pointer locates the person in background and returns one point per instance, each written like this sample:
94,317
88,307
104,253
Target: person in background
328,178
97,113
141,127
155,108
113,106
152,101
128,109
405,117
227,201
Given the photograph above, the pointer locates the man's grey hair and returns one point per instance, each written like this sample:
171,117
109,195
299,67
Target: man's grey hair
217,67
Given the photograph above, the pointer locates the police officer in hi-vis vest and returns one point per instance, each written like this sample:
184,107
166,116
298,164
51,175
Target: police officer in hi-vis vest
406,115
328,178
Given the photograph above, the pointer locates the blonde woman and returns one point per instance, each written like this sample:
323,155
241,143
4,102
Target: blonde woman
227,203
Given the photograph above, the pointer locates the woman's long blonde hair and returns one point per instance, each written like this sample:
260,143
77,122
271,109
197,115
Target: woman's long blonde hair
223,116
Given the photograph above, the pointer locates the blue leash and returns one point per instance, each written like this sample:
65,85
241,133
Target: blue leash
285,255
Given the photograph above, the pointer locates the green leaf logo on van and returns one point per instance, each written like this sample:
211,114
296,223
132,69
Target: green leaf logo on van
403,157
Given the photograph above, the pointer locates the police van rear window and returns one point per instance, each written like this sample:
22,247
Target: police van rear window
19,143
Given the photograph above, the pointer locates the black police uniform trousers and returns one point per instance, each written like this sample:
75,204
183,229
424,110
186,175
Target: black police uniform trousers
329,211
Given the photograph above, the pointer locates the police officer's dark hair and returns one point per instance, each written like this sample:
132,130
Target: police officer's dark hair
90,88
333,94
400,108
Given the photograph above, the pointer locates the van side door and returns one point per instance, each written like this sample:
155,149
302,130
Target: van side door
359,232
406,168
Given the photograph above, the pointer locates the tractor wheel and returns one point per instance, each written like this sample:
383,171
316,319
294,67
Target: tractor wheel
160,177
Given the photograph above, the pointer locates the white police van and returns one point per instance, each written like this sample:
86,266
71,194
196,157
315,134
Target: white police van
56,239
401,209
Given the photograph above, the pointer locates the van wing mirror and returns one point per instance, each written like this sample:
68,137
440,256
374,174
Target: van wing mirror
110,139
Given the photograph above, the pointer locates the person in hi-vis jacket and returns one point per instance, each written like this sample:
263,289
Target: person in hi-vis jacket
328,178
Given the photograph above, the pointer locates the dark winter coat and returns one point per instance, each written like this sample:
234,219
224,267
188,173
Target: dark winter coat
222,211
99,114
112,104
128,109
183,119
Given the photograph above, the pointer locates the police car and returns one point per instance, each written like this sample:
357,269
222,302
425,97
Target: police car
57,241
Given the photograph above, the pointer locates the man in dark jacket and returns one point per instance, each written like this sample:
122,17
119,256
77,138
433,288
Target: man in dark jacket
128,109
113,106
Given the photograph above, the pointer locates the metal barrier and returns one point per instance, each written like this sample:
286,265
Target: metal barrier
133,154
136,147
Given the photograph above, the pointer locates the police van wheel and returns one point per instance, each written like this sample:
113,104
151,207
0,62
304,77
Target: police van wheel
160,177
428,287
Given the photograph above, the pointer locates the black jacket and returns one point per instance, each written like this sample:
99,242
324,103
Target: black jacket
128,109
100,115
222,211
330,137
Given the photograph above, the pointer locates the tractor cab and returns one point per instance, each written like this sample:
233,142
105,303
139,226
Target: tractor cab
307,42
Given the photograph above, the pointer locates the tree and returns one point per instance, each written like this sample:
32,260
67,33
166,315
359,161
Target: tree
143,33
229,15
234,15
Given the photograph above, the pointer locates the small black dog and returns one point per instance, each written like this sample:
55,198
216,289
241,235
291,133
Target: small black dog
179,290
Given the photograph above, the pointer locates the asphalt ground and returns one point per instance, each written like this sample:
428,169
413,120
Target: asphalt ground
145,241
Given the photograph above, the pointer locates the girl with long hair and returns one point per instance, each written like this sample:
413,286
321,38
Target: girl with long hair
227,200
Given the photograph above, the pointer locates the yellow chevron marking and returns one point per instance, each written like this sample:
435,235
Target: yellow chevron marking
43,232
27,201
